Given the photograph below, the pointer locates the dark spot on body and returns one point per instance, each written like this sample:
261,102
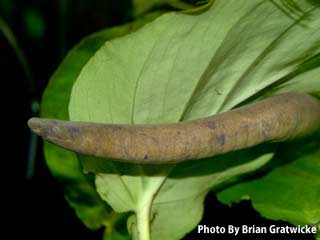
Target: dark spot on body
46,132
246,127
73,131
211,125
221,139
117,128
145,157
148,137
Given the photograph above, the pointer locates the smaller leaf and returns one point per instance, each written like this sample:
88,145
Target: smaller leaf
291,191
116,227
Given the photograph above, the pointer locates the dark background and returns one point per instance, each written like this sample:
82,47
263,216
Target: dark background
35,208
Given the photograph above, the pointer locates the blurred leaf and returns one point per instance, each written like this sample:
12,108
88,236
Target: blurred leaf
79,191
6,8
116,227
34,23
289,192
5,29
183,67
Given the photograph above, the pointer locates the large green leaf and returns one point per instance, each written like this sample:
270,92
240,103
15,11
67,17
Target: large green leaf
289,192
79,190
183,67
178,205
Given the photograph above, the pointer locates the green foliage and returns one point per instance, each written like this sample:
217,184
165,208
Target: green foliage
290,191
178,204
183,67
34,23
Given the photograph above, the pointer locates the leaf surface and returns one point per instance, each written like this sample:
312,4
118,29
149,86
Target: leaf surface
290,191
183,67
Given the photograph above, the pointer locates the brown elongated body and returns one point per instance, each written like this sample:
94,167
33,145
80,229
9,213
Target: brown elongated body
276,118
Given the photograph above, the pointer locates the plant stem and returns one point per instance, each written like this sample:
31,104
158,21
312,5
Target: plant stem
143,212
143,221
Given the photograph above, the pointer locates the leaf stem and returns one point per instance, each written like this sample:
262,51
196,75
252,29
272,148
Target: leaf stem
143,212
143,222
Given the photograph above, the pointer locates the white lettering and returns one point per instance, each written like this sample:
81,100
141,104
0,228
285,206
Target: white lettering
291,230
273,229
212,230
200,228
233,230
253,229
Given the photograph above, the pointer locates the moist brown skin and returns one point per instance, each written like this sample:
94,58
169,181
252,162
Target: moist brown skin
277,118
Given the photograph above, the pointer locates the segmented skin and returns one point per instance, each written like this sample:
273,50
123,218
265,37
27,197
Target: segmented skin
276,118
